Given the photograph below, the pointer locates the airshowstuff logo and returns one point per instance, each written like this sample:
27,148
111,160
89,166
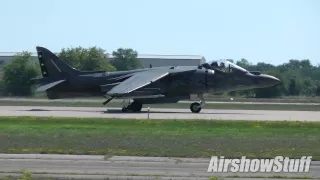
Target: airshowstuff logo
278,164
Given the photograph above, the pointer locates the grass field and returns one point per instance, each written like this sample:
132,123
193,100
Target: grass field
291,107
179,138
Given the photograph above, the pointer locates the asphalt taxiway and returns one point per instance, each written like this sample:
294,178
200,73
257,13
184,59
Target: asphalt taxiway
126,167
160,113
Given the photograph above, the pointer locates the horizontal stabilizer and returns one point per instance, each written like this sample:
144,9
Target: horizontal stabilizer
48,86
36,80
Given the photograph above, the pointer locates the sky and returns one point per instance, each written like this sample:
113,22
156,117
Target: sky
270,31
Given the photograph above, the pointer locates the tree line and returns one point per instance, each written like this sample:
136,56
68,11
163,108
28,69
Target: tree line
298,77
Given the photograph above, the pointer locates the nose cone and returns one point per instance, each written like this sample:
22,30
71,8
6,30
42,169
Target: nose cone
267,80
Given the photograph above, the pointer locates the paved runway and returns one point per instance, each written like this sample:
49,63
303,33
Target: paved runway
120,100
123,167
160,113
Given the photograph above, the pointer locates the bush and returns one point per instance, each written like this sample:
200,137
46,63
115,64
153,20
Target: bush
16,75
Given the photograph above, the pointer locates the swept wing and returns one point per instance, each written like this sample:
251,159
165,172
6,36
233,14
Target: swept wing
142,79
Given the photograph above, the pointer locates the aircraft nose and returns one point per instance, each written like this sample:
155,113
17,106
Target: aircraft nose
267,80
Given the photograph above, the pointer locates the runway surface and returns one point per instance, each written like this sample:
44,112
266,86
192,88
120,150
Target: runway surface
124,167
160,113
120,100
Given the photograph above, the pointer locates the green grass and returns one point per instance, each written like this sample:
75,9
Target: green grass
179,138
291,107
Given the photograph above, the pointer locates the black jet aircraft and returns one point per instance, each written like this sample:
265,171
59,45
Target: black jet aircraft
148,85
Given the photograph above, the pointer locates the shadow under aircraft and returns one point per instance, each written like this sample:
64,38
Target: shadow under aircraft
148,85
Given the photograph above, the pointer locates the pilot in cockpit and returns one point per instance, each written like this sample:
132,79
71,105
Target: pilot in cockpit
214,64
226,66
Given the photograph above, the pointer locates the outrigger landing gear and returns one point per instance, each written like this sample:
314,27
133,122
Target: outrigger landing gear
107,101
134,106
196,107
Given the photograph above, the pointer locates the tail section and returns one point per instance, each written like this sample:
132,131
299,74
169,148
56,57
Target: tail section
52,66
54,71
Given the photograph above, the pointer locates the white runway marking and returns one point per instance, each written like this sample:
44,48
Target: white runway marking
160,113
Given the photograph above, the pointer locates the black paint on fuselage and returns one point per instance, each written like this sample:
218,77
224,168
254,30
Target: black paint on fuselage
206,78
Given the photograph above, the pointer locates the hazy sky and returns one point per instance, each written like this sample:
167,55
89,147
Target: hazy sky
271,31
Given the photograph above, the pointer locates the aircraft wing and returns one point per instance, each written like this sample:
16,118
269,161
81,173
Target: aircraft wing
141,79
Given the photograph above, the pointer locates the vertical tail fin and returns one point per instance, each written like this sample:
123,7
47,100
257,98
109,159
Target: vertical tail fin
52,66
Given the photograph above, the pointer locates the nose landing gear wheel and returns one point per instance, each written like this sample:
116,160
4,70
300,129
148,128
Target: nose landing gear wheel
195,107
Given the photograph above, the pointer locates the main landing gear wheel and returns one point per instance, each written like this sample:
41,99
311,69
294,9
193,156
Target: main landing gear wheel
135,106
195,107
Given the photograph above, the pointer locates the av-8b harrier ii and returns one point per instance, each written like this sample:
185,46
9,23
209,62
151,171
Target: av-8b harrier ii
148,85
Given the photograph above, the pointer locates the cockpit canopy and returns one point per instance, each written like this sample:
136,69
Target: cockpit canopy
224,66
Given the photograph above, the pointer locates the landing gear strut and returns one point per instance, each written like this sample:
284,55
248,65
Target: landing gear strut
134,106
197,106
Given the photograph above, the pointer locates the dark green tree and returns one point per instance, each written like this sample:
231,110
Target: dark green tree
247,93
293,88
270,92
231,60
86,59
309,87
244,63
318,90
261,66
17,73
232,93
125,59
